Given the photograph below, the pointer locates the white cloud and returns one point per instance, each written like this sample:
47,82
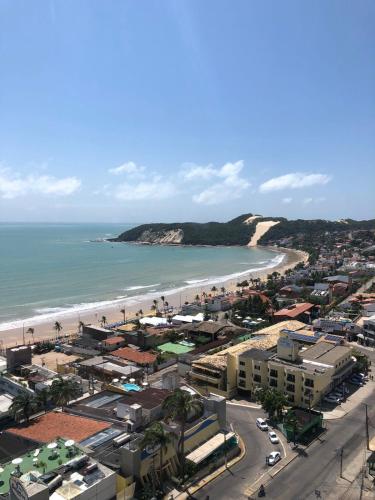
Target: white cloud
155,189
287,200
13,185
231,187
308,201
128,168
294,181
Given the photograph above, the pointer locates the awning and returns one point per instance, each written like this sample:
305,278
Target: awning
202,452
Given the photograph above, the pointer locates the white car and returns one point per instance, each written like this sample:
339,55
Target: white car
332,399
273,437
273,457
262,424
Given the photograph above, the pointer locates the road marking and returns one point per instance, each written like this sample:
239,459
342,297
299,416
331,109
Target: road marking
282,444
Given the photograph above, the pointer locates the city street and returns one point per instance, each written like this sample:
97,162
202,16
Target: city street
233,483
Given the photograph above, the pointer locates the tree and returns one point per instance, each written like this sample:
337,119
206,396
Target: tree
162,298
140,312
58,327
214,289
272,401
197,299
123,311
81,324
31,331
42,398
222,289
24,404
290,420
155,436
179,406
362,361
103,321
64,390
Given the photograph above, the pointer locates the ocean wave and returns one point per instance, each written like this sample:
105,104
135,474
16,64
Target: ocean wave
59,313
195,282
139,287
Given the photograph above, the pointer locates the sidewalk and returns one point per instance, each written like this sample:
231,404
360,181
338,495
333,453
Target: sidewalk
353,401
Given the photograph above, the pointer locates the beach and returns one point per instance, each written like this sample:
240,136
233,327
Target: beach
43,329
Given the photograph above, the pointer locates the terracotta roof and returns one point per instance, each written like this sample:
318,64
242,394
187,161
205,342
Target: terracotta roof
294,310
142,358
52,425
113,340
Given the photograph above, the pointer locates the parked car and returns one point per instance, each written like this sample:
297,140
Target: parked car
343,389
273,457
262,424
337,394
273,437
332,399
356,381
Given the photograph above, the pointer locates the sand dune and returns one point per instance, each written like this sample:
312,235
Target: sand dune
260,230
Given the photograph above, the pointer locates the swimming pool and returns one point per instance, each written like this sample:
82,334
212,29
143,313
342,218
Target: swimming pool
131,387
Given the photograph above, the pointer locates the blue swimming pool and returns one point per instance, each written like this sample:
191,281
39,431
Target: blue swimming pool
131,387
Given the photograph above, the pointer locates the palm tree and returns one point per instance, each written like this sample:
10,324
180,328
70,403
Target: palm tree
179,406
123,311
291,421
103,321
81,324
23,404
214,289
197,299
31,332
162,298
58,327
155,435
140,312
42,398
222,289
64,390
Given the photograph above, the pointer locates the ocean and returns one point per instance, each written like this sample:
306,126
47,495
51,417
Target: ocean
47,270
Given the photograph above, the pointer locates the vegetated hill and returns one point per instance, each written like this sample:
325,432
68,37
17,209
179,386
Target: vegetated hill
309,229
237,231
233,232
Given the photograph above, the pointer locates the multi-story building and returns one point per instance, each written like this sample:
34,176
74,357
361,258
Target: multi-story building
304,375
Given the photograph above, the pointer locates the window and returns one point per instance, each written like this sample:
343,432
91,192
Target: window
273,382
242,374
290,387
257,378
309,382
256,367
241,383
291,378
242,363
273,373
291,398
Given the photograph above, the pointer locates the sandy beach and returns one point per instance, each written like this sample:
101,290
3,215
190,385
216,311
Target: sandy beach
69,320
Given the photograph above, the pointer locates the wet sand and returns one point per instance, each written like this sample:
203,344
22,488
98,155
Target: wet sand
70,320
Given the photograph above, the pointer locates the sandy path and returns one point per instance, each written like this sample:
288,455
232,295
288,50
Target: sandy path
260,230
69,321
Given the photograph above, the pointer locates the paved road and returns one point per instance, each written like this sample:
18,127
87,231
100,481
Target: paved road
232,484
319,467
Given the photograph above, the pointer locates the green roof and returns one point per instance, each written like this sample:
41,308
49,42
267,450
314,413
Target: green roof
175,348
47,456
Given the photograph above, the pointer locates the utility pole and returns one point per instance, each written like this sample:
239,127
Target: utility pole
367,433
341,457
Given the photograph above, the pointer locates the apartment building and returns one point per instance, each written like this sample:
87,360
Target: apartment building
304,375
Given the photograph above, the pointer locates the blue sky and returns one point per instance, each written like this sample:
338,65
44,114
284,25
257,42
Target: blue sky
186,110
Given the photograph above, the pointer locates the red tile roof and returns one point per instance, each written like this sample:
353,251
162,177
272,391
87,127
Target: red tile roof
294,310
52,425
141,358
113,340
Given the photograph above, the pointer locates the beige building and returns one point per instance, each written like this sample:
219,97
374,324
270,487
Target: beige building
218,372
304,375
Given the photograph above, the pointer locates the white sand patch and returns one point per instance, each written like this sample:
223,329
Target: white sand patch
260,230
251,219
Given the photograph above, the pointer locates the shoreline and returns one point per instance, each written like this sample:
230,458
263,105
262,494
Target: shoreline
69,319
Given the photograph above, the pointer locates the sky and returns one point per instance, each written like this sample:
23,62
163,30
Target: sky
131,111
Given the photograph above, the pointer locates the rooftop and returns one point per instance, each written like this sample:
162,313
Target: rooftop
294,310
257,354
52,425
141,358
113,340
175,348
325,352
